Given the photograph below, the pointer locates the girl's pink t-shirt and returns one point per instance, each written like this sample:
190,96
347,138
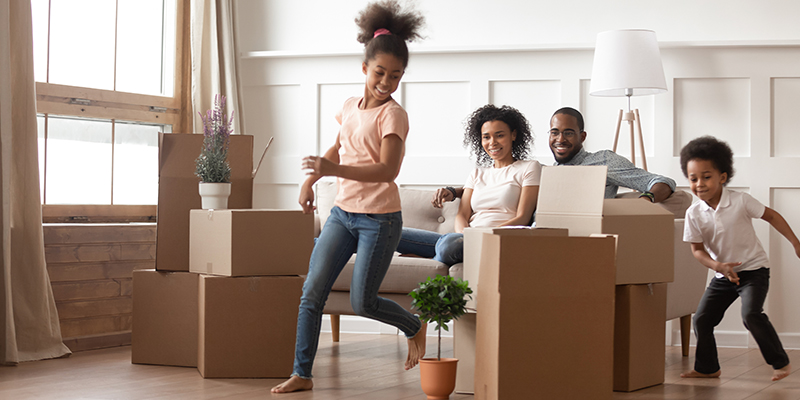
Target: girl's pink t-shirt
360,144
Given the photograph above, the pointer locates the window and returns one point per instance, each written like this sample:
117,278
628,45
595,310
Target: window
108,81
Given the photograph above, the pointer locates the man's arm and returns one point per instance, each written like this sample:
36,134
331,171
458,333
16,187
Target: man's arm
622,172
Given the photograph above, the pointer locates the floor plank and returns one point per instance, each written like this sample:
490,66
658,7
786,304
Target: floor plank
360,367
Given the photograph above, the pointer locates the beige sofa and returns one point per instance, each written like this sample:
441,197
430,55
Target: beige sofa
406,272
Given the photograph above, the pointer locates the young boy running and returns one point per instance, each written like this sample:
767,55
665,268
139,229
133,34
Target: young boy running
722,236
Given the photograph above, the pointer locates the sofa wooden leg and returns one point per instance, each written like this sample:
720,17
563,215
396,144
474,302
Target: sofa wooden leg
686,331
335,327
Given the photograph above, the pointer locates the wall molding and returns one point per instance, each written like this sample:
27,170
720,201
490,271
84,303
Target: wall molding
468,49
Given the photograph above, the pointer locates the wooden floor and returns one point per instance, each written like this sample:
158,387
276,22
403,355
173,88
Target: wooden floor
359,367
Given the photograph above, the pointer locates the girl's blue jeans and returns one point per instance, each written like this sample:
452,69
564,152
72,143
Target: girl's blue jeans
374,238
447,248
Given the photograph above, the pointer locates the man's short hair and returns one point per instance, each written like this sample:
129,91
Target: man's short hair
711,149
572,112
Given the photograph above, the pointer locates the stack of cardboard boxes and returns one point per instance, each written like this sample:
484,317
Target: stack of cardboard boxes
567,316
226,289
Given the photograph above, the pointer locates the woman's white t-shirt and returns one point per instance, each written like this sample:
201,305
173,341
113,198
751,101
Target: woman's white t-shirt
496,191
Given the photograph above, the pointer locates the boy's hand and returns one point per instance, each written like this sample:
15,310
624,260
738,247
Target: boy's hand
726,269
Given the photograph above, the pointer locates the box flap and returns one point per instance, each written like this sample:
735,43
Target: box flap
572,198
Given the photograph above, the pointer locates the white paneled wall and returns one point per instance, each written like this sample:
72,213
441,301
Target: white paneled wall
747,94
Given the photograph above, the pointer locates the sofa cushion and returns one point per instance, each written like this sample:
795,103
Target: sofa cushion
417,209
403,276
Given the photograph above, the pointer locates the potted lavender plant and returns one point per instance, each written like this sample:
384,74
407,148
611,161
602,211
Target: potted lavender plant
212,164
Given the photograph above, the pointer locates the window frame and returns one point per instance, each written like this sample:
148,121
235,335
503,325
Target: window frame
113,105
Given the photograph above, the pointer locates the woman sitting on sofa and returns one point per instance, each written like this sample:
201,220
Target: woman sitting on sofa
501,191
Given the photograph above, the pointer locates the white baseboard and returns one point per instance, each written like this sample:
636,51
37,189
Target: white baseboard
361,325
790,341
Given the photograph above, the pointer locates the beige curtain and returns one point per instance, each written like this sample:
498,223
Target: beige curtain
214,52
30,329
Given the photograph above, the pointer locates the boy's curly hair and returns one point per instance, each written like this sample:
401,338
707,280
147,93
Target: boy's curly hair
711,149
404,25
520,149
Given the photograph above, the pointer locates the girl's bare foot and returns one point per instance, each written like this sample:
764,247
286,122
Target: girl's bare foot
416,347
294,384
779,374
695,374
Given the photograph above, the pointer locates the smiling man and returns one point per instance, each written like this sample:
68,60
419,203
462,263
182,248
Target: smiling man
566,143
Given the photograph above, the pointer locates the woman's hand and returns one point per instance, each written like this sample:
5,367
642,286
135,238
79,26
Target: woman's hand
307,199
315,165
441,196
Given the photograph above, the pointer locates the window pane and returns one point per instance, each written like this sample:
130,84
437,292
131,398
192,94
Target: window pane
78,161
136,163
141,46
40,124
82,43
39,10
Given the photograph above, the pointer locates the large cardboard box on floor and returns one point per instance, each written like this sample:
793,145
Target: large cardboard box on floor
164,318
639,334
546,318
645,230
247,326
250,242
178,191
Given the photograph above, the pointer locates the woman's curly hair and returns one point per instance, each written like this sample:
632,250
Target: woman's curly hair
711,149
404,25
520,149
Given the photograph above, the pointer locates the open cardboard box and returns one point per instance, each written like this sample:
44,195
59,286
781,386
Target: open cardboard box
251,242
645,252
178,191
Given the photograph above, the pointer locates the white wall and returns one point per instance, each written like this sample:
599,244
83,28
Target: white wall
300,61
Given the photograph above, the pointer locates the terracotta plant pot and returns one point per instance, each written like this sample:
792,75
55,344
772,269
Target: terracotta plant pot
438,377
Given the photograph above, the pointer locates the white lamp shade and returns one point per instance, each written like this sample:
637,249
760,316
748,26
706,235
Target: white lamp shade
627,59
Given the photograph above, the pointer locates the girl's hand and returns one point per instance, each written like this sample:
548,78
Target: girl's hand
726,269
307,199
321,166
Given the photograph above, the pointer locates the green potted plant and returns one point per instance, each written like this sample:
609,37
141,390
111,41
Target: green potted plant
212,164
440,300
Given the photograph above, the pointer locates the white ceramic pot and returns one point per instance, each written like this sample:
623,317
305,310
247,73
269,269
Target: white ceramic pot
215,195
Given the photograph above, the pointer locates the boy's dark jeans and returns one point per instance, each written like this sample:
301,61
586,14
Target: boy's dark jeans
720,294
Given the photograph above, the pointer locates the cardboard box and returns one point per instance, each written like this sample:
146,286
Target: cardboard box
164,318
639,335
568,199
247,326
250,242
473,242
545,324
178,191
464,332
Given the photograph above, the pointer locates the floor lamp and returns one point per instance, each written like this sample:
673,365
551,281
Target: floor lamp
628,63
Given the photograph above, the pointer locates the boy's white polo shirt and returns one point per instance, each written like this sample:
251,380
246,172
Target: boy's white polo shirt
727,232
